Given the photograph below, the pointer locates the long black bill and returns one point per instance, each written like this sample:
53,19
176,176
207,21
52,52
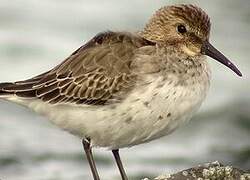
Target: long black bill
209,50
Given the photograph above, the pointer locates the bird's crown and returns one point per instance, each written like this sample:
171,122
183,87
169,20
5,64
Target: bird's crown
177,22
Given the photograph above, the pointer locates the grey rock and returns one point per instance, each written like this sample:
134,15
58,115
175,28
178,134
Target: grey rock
209,171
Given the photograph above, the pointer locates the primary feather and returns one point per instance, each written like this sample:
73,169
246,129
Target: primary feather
93,74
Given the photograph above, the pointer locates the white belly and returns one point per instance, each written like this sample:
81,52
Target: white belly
148,113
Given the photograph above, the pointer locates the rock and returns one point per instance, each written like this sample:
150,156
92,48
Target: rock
209,171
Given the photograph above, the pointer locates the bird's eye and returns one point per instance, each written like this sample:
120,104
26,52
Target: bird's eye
181,29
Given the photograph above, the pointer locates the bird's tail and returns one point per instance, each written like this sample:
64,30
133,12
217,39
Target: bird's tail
6,90
19,89
23,88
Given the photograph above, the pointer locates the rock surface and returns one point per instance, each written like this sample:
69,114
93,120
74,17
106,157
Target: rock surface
209,171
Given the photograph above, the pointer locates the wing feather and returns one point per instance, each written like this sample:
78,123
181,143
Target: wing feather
93,74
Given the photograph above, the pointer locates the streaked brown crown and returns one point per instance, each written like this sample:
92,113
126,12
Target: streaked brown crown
162,26
195,17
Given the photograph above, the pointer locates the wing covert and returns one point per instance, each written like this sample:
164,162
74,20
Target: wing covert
95,73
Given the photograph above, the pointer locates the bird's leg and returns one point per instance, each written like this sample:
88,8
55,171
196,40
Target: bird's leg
88,151
119,164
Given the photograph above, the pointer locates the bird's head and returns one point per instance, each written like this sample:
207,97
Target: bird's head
187,28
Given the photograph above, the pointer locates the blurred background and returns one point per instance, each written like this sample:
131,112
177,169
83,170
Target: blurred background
37,35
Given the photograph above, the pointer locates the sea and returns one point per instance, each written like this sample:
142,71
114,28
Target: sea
36,35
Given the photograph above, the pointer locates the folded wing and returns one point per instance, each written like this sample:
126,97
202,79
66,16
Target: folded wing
96,73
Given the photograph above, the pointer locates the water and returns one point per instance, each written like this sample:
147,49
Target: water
37,35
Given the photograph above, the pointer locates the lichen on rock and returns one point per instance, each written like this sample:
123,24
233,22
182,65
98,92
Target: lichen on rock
209,171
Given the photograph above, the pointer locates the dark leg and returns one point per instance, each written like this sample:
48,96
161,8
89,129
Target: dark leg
88,151
119,164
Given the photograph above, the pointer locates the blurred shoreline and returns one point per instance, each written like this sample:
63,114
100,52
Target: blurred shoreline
37,35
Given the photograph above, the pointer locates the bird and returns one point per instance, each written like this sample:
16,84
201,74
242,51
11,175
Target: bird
122,89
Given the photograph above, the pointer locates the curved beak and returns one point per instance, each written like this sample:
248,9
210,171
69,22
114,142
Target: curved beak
209,50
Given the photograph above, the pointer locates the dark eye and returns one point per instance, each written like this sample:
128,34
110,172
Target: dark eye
181,29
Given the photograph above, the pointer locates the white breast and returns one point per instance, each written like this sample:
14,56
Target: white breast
149,112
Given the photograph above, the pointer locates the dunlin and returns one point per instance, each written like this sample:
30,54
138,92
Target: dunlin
122,89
